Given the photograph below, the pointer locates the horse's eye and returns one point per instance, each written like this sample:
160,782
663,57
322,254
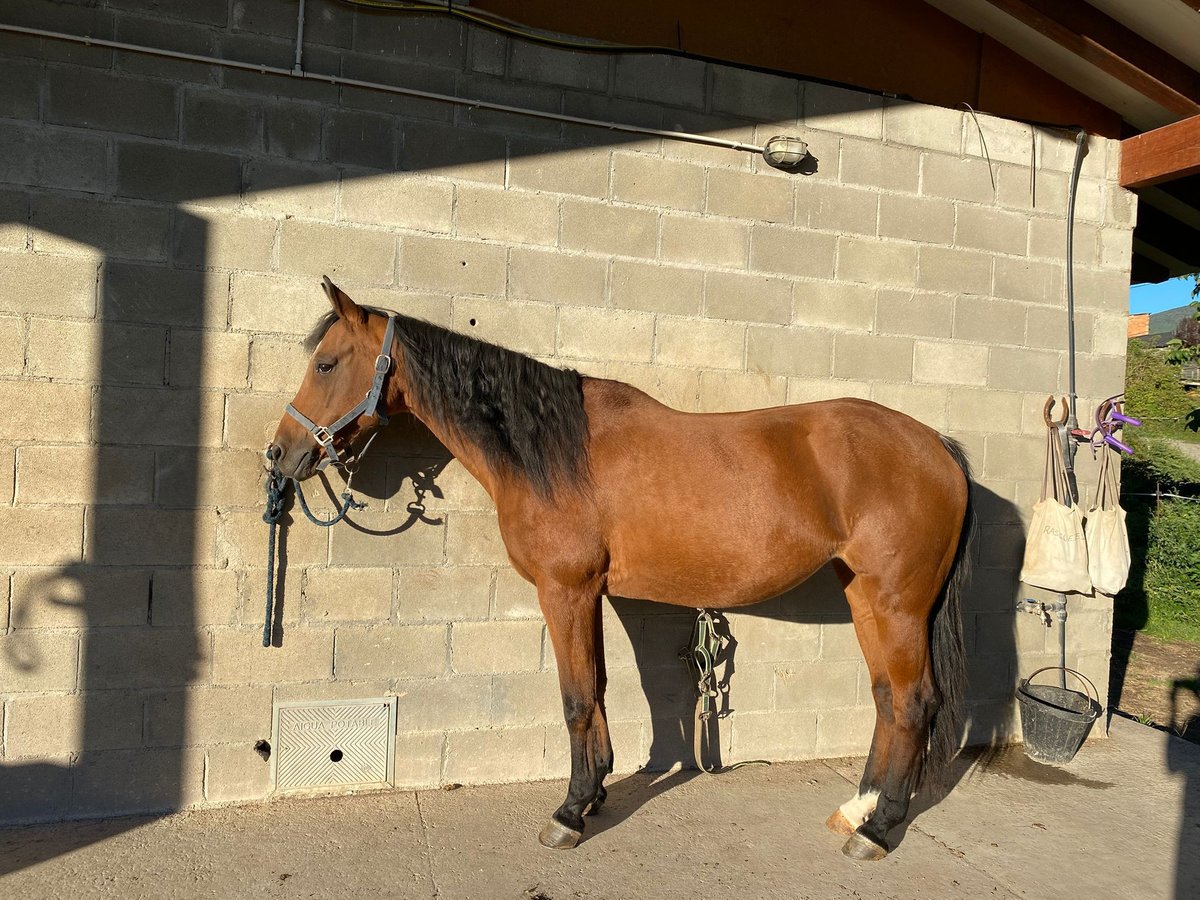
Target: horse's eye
324,368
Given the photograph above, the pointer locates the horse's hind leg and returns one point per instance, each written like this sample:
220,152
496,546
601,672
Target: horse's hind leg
904,643
855,811
573,617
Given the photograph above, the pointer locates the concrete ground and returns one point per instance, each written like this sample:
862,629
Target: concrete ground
1122,821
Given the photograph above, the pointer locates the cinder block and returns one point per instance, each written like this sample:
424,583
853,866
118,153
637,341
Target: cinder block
787,734
925,403
991,229
672,80
1014,455
703,343
829,108
446,265
950,363
86,98
144,657
749,196
844,732
160,416
223,242
360,139
423,204
14,221
54,158
42,536
154,295
86,351
520,217
169,174
348,595
238,656
420,545
879,165
342,251
877,262
236,773
211,715
53,724
20,95
1108,335
716,126
654,181
1048,239
764,640
654,288
549,65
873,357
242,539
446,594
94,598
474,539
454,703
837,208
729,391
1005,140
167,780
39,660
834,305
792,251
756,95
912,313
493,647
1046,327
610,230
984,320
923,219
1115,247
23,406
789,351
811,390
747,298
494,757
211,359
923,125
956,178
12,345
707,242
506,92
1015,369
606,334
252,419
266,303
41,283
1100,289
524,327
434,149
525,699
225,121
418,760
194,597
98,228
293,130
816,685
953,270
839,641
554,277
548,167
292,189
405,651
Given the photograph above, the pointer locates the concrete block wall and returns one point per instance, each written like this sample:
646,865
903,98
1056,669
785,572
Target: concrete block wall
163,229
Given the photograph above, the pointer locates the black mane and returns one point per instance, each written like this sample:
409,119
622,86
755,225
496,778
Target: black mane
524,415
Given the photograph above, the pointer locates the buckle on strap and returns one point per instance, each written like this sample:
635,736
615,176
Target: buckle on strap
383,363
322,436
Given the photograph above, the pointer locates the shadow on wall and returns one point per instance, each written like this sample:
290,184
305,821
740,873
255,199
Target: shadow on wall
1182,760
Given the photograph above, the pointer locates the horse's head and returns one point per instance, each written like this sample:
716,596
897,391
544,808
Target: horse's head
329,419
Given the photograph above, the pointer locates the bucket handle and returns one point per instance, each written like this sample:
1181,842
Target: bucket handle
1093,694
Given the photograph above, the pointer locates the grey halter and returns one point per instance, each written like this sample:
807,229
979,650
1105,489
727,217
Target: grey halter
324,434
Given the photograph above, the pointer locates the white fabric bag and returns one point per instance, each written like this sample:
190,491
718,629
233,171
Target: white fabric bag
1056,553
1107,536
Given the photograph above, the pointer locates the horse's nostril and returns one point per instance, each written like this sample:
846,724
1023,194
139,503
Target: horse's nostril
273,452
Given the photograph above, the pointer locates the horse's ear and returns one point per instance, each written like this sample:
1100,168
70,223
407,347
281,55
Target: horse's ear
348,311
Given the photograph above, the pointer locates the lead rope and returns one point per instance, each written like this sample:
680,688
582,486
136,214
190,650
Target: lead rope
276,488
701,657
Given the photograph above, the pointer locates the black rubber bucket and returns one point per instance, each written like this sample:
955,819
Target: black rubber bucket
1056,720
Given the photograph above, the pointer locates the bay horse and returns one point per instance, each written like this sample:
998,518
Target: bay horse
600,489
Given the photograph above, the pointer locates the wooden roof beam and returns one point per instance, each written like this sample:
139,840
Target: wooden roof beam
1163,154
1113,48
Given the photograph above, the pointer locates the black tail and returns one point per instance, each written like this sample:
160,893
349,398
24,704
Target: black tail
946,645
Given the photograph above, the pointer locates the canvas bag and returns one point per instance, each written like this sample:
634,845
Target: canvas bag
1107,536
1056,553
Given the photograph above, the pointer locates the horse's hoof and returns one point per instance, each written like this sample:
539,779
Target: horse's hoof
839,824
862,848
558,836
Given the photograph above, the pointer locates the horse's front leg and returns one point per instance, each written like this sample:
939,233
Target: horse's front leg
573,616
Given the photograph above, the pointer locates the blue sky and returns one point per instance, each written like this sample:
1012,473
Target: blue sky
1154,298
